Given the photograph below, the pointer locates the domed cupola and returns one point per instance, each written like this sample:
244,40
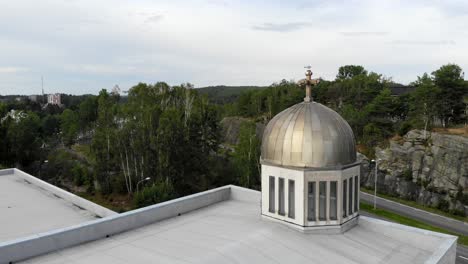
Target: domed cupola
310,177
308,135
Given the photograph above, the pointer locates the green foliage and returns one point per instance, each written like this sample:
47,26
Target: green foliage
24,140
65,167
425,107
103,145
450,80
408,174
350,71
50,125
225,94
160,191
87,112
3,110
443,205
372,134
81,175
69,126
172,134
167,133
355,118
463,198
270,101
359,90
405,127
247,156
381,111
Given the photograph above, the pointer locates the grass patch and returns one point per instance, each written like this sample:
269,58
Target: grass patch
463,240
417,205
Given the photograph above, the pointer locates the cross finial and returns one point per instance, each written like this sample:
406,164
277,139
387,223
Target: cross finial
308,81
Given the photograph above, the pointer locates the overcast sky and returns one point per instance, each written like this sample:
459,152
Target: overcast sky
81,46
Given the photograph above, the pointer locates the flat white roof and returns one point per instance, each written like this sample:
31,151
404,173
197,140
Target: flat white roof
26,209
233,231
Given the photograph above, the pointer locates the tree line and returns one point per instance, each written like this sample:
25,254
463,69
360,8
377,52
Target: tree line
109,144
365,100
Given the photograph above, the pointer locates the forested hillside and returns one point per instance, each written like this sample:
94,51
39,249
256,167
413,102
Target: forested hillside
226,94
162,142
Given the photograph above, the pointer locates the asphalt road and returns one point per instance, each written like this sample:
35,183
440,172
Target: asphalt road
423,216
462,255
418,214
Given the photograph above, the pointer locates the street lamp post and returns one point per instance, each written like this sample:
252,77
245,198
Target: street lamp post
145,179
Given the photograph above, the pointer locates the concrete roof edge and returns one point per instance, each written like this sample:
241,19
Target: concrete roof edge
42,243
5,172
449,241
443,251
244,194
97,209
407,228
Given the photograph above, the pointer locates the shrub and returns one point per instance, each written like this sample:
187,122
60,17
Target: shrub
159,192
458,212
404,128
80,175
408,174
443,205
464,199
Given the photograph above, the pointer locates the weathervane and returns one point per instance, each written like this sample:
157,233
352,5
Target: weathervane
308,82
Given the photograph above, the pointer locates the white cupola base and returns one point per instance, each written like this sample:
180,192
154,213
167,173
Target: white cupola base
311,200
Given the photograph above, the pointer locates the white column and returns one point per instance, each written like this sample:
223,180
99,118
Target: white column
317,197
347,197
339,202
327,201
286,197
359,191
276,195
352,195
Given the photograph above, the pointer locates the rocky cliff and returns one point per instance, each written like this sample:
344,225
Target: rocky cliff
430,168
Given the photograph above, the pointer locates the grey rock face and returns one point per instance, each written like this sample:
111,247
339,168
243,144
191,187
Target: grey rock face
430,168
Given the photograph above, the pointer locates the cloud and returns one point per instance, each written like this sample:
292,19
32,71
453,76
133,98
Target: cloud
222,3
423,42
364,33
154,19
102,69
209,42
284,27
11,70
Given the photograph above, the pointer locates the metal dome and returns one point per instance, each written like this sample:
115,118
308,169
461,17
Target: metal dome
308,135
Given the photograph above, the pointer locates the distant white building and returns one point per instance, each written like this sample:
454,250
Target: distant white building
54,99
